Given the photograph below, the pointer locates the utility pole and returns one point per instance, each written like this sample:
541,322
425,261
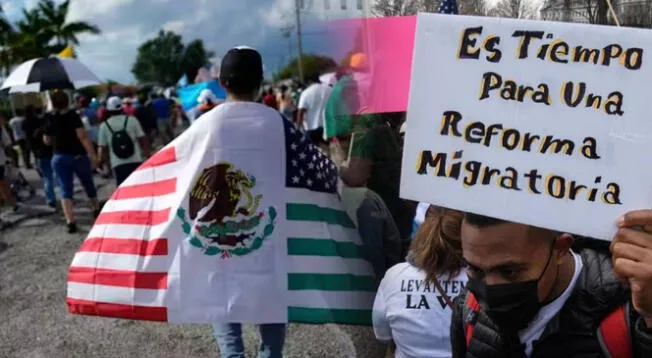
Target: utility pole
297,12
286,32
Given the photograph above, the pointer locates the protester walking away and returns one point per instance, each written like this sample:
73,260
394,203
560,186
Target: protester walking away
92,118
16,125
204,107
269,99
101,112
376,158
89,118
312,105
296,92
237,232
286,104
241,74
122,141
73,154
178,122
128,107
207,101
34,130
414,302
146,115
340,108
6,195
163,110
534,292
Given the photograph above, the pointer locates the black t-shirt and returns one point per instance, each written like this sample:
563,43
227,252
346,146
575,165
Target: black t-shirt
62,128
146,115
34,127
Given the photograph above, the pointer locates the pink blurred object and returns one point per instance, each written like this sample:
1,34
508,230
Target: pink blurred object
203,75
388,44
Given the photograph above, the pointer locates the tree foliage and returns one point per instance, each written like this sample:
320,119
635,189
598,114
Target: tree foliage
595,11
57,29
516,9
411,7
313,65
637,14
630,13
5,25
396,7
90,91
473,7
165,58
5,30
159,59
195,56
40,32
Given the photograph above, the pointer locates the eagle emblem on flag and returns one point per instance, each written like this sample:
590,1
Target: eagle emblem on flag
209,222
223,216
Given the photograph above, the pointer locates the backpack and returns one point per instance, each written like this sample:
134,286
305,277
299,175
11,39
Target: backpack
121,143
613,333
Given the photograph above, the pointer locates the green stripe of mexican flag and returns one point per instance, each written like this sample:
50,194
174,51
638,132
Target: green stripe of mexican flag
329,281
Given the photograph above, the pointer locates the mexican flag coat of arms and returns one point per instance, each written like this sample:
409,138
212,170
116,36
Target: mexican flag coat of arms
237,220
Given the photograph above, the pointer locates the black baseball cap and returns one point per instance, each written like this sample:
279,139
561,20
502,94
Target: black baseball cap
241,66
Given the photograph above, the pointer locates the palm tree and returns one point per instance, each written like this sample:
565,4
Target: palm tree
40,32
63,33
5,32
31,38
5,26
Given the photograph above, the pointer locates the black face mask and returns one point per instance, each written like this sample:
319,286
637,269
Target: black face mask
512,306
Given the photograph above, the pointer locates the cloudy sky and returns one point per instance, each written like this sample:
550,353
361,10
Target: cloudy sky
222,24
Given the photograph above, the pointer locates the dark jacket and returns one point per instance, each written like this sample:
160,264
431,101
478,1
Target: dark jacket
34,127
384,246
146,115
572,333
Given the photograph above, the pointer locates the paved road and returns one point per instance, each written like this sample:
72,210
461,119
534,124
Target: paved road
34,321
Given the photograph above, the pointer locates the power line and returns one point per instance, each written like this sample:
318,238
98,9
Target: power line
300,45
286,32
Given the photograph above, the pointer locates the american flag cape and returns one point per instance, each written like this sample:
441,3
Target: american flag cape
237,220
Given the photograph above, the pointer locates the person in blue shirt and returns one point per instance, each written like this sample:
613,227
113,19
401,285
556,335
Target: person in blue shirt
163,108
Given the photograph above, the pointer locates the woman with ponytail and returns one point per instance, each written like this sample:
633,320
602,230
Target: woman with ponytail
413,304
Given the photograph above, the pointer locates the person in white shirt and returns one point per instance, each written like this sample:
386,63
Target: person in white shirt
16,125
122,140
311,109
413,305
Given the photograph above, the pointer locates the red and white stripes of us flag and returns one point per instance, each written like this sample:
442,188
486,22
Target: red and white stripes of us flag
125,260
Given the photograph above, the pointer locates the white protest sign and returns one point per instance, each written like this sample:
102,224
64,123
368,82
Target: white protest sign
543,123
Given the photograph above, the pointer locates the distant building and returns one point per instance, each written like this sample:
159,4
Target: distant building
337,9
583,11
565,10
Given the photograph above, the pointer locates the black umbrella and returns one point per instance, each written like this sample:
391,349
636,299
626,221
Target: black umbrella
43,74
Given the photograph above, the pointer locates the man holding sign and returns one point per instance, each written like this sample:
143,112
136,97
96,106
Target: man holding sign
546,133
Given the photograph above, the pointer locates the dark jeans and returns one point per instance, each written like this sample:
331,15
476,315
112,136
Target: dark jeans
66,166
229,340
24,148
123,171
44,166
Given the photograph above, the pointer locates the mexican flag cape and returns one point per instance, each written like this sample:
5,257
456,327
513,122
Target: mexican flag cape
237,220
